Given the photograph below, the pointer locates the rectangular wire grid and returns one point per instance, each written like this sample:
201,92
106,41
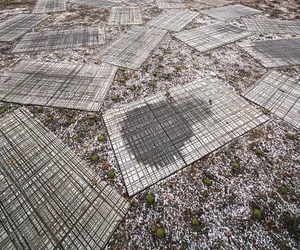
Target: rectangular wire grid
64,85
50,198
212,36
272,25
156,136
133,47
214,2
138,2
174,20
61,39
17,26
125,15
278,93
230,12
170,4
275,53
97,3
47,6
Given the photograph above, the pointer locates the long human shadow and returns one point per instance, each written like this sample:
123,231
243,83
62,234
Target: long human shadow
152,130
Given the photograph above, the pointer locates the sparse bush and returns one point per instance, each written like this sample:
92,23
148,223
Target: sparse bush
115,98
265,111
74,137
160,233
150,198
95,157
72,120
283,190
101,138
290,136
195,222
111,174
207,182
259,152
257,214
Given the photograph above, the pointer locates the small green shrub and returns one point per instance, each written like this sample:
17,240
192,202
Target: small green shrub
39,109
95,158
2,111
150,198
72,120
207,182
101,138
283,190
132,88
178,67
135,75
115,98
92,117
49,119
145,67
290,136
74,137
160,58
259,152
195,221
265,111
122,69
111,174
235,165
257,214
160,233
166,76
152,84
122,80
154,73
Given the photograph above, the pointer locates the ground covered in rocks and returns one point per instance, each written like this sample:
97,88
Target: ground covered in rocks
260,171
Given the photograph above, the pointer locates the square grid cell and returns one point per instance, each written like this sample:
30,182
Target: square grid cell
17,26
230,12
170,4
50,198
275,53
278,93
174,20
214,2
97,3
125,15
133,47
156,136
212,36
64,85
264,25
47,6
61,39
138,2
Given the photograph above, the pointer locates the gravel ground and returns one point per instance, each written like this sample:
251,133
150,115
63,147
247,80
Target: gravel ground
224,209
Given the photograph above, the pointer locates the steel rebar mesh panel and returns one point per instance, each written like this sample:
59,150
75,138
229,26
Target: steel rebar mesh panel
156,136
5,241
170,4
125,15
97,3
48,6
64,85
230,12
50,198
133,47
17,26
214,2
138,2
278,93
275,53
174,20
61,39
212,36
264,25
